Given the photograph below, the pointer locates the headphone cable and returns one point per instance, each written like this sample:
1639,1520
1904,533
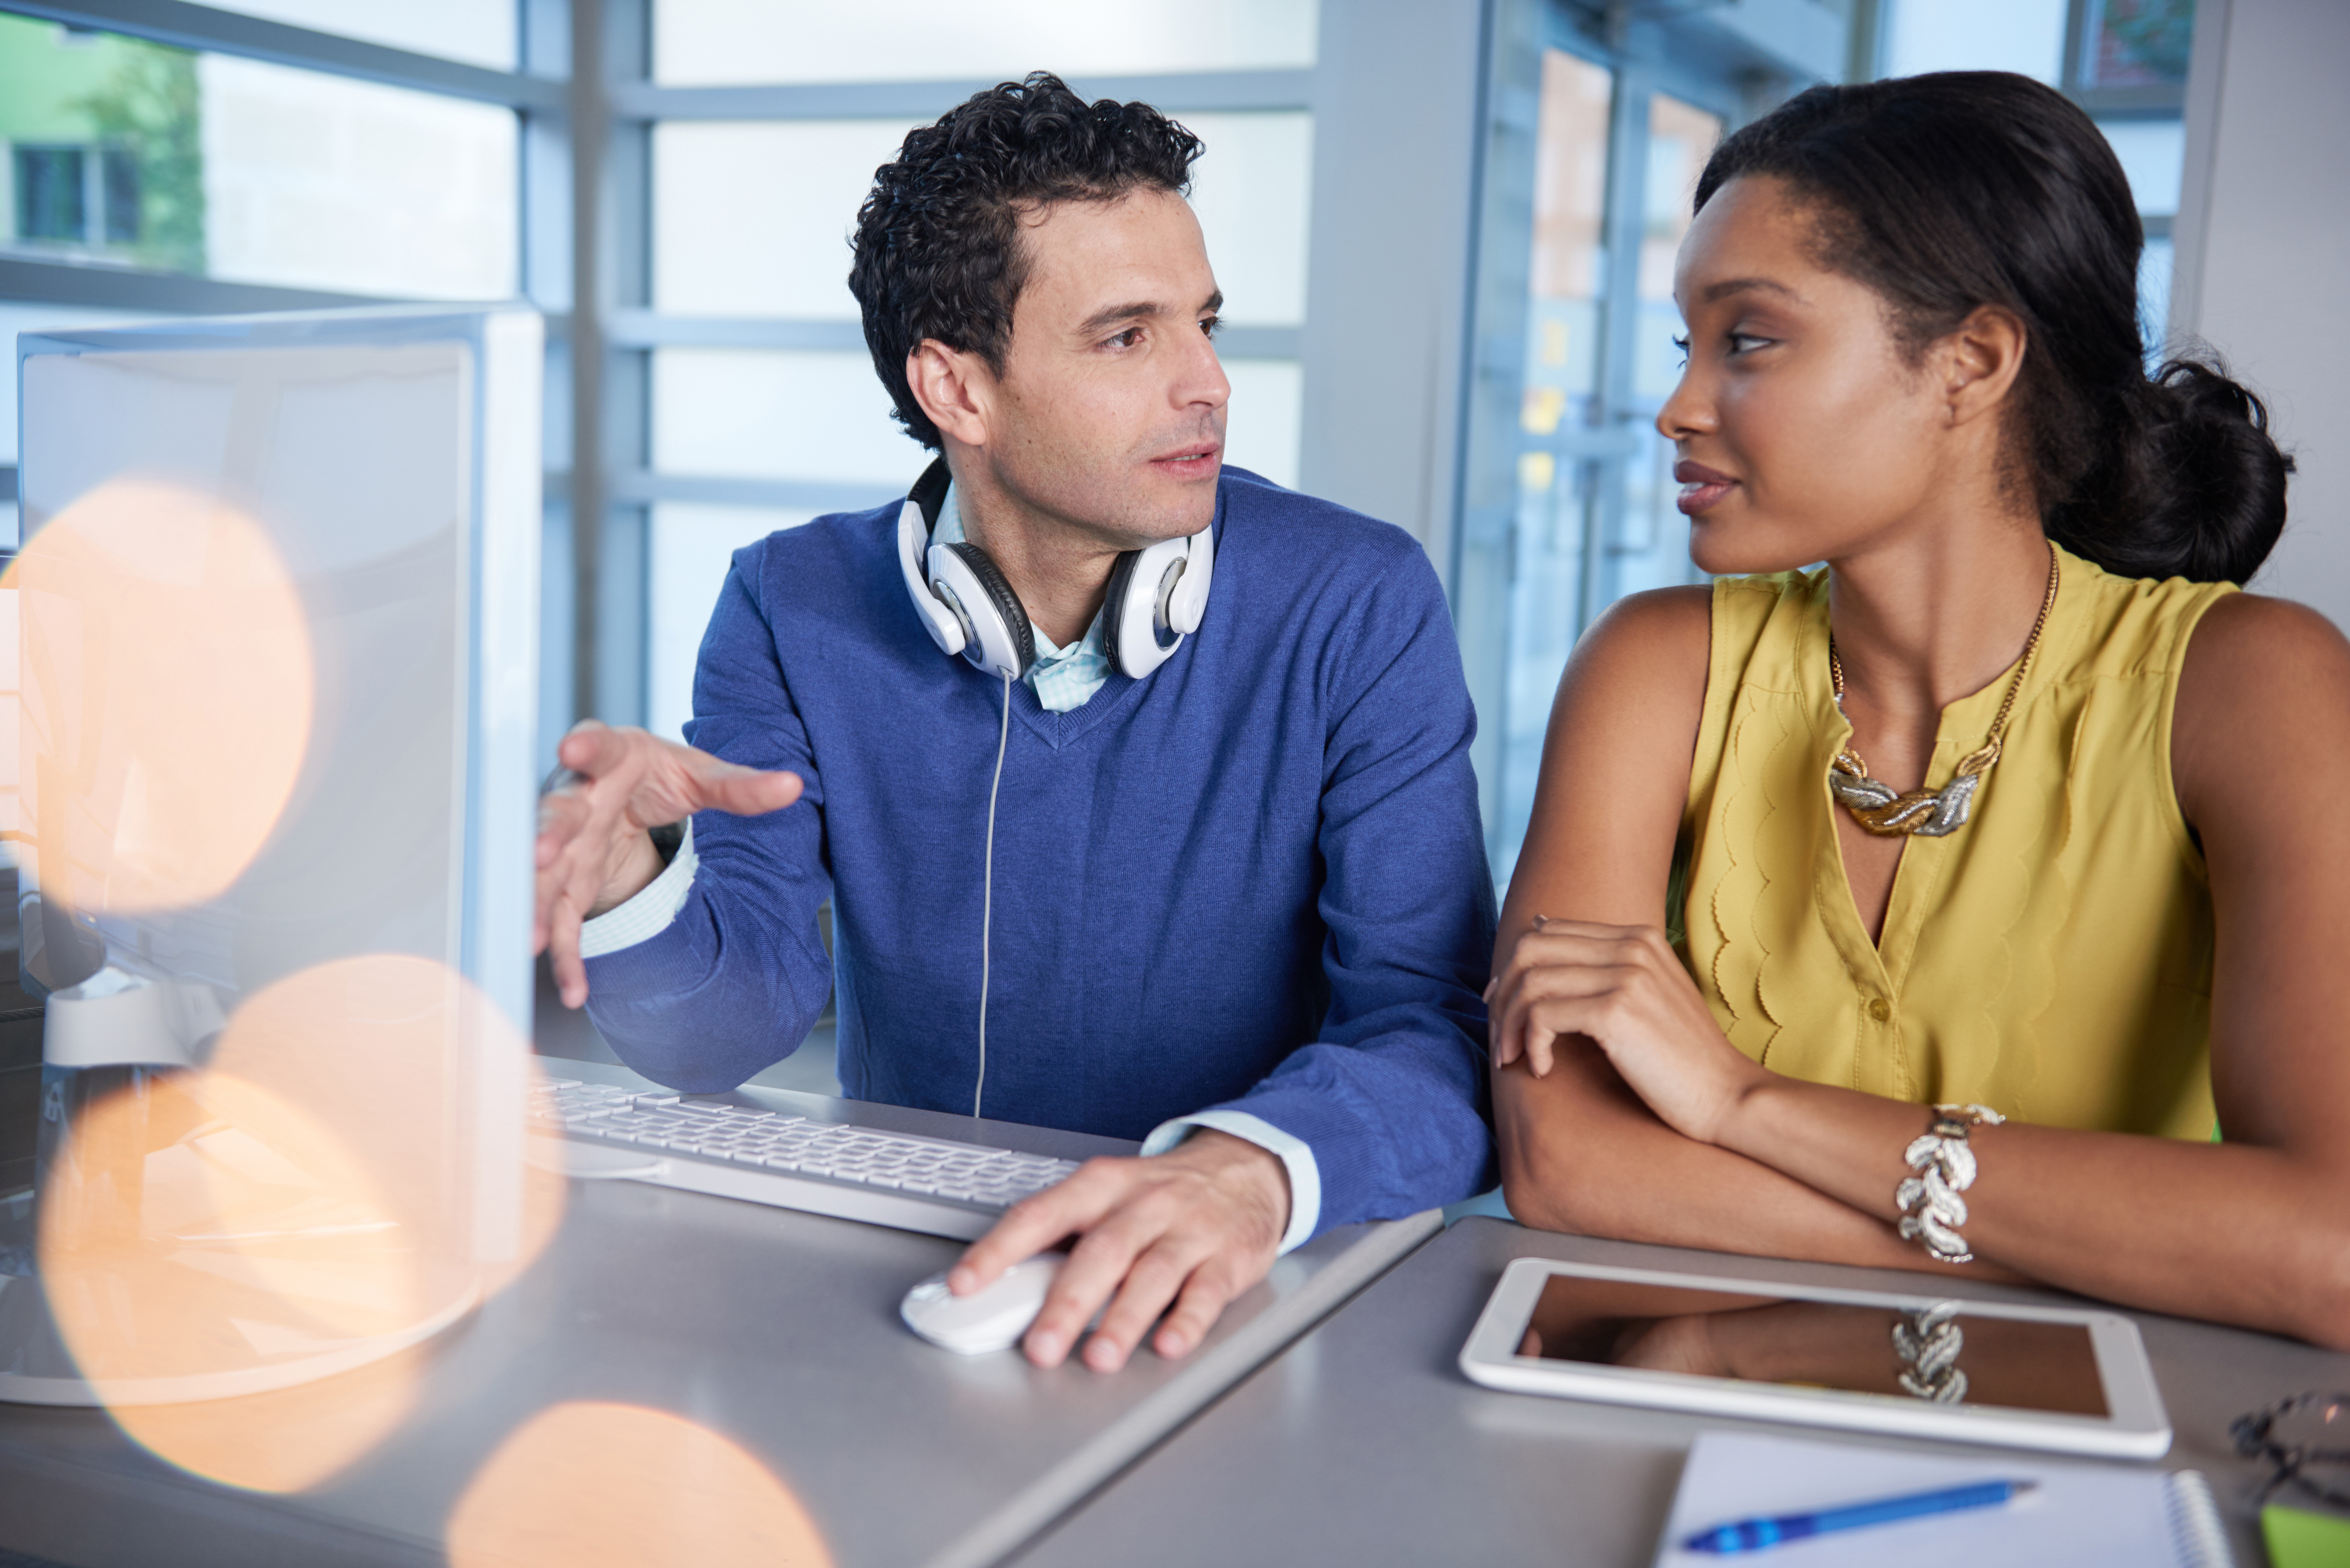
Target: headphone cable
987,895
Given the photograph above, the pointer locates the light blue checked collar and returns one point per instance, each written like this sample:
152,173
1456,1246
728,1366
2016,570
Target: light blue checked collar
1062,677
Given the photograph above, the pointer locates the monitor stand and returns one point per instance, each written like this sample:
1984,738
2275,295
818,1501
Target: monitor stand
219,1339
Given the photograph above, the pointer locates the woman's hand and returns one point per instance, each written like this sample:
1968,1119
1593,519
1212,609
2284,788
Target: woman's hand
1624,989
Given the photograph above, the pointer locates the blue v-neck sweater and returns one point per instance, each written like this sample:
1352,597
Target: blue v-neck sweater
1255,879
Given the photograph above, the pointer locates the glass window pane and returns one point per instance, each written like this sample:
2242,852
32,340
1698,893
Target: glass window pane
690,550
2023,36
104,147
761,414
754,219
478,32
320,181
233,169
701,41
2138,42
2154,155
1570,203
1251,189
1261,423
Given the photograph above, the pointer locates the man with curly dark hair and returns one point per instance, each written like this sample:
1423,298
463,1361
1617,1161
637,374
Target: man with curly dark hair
1222,885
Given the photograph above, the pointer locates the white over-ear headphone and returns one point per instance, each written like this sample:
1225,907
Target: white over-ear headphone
1157,595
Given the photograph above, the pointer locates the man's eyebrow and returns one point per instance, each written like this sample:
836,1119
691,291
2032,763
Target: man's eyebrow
1731,285
1111,315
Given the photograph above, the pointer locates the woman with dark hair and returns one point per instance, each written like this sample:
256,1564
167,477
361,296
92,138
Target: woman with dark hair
2002,918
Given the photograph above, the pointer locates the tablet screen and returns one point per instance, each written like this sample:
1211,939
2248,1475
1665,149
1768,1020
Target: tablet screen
1941,1355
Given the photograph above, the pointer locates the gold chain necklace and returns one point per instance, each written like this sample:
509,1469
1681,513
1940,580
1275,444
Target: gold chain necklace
1929,813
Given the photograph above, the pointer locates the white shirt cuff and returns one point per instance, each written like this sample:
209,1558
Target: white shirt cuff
1296,1156
648,914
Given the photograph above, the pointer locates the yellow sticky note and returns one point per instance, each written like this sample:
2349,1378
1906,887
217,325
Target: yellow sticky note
2297,1538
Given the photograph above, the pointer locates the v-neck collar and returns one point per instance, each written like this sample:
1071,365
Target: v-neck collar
1057,730
1964,725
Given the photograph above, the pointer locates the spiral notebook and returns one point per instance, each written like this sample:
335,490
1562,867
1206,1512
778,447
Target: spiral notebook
2080,1513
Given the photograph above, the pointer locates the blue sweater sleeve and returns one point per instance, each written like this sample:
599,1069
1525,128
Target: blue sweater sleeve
736,980
1391,1097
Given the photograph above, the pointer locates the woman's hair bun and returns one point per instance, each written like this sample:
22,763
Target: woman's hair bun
2194,487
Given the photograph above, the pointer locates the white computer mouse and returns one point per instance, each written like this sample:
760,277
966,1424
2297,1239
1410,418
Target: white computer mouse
989,1319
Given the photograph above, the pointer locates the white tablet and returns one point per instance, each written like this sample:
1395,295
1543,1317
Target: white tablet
2061,1378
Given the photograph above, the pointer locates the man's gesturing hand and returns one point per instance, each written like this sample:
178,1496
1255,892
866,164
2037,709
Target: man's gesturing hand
593,848
1195,1226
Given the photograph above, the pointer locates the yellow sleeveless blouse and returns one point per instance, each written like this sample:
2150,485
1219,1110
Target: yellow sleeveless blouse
2051,960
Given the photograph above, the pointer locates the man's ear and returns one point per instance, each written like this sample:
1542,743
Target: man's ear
1980,361
955,388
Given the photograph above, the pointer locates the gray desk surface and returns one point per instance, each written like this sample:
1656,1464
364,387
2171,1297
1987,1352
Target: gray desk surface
776,1329
1365,1444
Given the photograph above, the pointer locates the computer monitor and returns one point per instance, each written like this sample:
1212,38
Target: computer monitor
277,625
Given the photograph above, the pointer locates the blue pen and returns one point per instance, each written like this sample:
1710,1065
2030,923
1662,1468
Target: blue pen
1756,1534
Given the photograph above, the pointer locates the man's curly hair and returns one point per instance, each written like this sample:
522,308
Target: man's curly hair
938,251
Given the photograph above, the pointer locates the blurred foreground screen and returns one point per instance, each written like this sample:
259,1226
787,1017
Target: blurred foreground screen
277,625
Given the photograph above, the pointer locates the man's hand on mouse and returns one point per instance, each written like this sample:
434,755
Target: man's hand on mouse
594,848
1195,1226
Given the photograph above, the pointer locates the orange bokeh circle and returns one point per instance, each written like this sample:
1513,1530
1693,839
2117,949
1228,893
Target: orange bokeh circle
345,1177
593,1485
168,685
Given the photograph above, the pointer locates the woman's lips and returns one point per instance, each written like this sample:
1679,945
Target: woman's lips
1701,487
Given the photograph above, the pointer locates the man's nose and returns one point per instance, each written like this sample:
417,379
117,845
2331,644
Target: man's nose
1202,380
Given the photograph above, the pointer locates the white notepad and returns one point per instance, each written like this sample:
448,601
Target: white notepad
2082,1513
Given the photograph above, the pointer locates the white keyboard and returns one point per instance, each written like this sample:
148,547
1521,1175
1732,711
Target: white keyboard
932,1184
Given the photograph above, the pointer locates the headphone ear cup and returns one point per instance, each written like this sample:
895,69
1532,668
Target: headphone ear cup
1136,630
938,618
1005,602
1121,580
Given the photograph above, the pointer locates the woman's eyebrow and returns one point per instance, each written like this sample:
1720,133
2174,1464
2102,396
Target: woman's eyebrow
1729,286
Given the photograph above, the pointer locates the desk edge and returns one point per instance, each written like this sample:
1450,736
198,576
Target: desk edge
1042,1504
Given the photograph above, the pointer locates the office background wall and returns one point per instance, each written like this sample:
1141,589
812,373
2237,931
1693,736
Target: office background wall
1394,199
2264,232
